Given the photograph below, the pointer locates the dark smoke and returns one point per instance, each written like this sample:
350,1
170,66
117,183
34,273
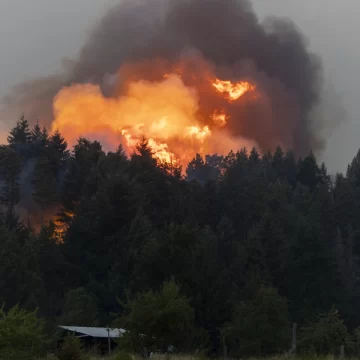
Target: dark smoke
228,35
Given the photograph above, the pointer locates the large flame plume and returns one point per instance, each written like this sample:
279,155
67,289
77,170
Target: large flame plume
167,112
189,76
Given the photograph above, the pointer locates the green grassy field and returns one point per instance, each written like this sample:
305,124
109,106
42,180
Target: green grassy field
193,357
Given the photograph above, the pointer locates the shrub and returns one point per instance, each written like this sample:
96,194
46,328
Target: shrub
122,355
22,334
325,335
259,326
155,320
71,349
49,357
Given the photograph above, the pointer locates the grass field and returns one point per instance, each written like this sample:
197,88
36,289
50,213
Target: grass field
124,356
193,357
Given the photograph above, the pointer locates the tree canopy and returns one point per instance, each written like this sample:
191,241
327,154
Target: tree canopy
240,244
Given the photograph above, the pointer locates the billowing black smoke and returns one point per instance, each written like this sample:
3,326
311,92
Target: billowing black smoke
227,34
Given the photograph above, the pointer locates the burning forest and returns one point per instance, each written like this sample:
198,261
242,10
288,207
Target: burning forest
93,223
190,76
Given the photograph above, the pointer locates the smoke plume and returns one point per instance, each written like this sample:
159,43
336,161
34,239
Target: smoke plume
138,42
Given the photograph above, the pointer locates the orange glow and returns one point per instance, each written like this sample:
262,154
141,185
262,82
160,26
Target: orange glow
198,133
234,91
219,118
166,112
61,227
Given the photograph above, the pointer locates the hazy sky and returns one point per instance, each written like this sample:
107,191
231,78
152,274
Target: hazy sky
36,34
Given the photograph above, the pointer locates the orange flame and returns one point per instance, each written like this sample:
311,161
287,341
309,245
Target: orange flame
61,227
166,113
234,91
219,118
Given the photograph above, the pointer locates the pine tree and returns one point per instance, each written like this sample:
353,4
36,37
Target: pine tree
204,171
35,133
260,326
20,134
10,168
57,152
80,308
156,319
39,140
44,185
254,157
290,168
353,170
22,334
309,172
82,163
278,163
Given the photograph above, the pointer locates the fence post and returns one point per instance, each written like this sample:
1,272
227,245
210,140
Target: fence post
109,342
342,352
293,348
224,348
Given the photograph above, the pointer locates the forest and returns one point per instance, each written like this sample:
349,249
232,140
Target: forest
231,249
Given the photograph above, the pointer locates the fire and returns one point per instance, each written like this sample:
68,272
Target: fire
234,91
166,112
219,118
61,227
200,134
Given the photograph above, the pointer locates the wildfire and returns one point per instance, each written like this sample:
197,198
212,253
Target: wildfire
166,113
61,227
219,118
199,134
234,91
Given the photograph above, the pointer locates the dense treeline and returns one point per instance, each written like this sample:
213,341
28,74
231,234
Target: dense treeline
246,244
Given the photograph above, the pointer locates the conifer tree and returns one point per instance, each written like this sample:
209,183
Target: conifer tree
20,134
10,169
44,185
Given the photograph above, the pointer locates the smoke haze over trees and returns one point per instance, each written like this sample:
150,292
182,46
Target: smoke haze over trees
242,239
230,39
233,246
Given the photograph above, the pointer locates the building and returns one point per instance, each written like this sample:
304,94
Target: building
103,338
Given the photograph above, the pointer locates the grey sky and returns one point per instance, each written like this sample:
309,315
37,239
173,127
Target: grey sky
36,34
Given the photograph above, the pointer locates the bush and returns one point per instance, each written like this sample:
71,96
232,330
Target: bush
49,357
122,355
71,349
324,336
154,320
22,334
259,326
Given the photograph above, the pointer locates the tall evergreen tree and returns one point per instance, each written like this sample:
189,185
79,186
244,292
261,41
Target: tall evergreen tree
10,169
20,134
57,153
80,309
39,139
44,186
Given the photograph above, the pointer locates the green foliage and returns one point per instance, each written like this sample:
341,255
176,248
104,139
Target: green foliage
356,342
325,335
155,320
10,169
121,355
20,134
260,326
21,334
49,357
79,309
71,349
129,224
44,183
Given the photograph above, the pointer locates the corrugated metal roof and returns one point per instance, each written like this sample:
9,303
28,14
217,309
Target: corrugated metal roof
96,332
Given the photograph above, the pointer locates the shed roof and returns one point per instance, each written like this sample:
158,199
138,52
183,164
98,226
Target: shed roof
96,332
